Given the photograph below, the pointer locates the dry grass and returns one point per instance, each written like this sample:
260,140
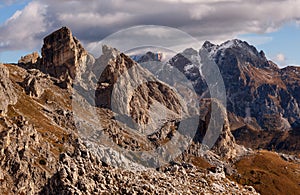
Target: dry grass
268,173
32,109
199,162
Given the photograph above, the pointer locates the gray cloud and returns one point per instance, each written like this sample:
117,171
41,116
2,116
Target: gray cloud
92,20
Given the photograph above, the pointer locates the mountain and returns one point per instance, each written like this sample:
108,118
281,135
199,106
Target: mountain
149,56
71,123
262,99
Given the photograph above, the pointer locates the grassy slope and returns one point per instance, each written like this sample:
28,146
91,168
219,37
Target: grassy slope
268,173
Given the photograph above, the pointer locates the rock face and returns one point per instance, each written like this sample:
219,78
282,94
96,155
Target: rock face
7,93
131,91
260,96
149,56
55,142
18,167
41,152
63,56
30,58
225,145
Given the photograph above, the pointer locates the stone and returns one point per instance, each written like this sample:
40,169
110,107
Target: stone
35,83
30,58
63,56
7,92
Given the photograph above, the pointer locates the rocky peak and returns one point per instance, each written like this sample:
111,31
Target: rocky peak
260,96
110,52
190,52
188,57
148,57
239,50
62,56
208,44
121,77
251,80
114,64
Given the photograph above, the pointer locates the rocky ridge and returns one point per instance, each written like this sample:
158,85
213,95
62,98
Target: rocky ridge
262,99
45,151
41,153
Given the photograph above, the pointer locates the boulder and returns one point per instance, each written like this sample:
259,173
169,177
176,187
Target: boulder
35,83
30,58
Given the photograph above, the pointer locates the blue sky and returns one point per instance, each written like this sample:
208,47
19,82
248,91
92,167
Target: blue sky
281,46
270,25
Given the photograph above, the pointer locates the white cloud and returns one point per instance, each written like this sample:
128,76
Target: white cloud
93,20
280,57
21,29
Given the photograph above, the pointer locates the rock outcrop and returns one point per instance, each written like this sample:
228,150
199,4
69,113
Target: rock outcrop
30,59
7,93
19,166
224,143
35,83
132,91
63,56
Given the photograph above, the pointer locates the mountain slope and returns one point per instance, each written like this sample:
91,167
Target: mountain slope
262,100
44,150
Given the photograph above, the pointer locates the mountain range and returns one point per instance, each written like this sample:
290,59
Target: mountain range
75,124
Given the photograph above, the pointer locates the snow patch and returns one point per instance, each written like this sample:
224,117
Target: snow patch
188,67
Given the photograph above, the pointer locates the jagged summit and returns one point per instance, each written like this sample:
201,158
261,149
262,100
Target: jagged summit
62,55
189,52
148,57
109,51
227,44
243,52
62,33
260,96
239,46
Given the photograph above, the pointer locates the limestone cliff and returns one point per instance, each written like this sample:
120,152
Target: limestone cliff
7,93
62,56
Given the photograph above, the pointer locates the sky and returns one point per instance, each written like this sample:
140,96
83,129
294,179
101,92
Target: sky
270,25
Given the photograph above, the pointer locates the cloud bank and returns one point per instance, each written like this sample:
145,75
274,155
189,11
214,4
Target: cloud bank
93,20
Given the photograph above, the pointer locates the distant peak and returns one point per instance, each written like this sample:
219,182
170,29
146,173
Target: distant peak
108,50
208,45
233,43
63,32
65,29
227,44
190,51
